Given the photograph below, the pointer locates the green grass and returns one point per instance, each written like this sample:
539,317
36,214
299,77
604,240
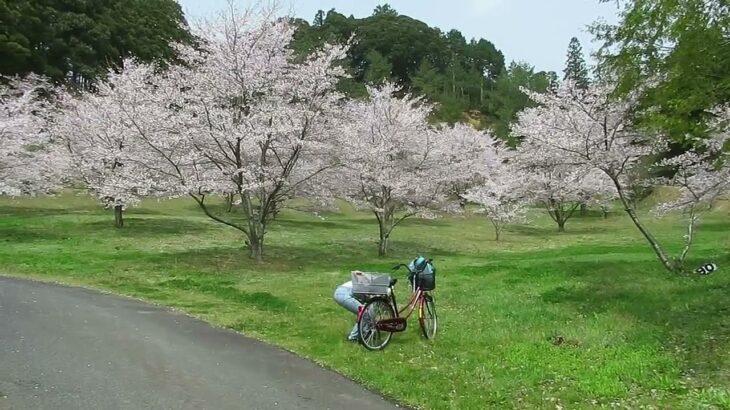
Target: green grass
634,335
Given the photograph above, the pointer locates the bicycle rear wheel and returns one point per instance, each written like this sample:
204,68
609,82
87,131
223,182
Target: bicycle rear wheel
427,317
370,336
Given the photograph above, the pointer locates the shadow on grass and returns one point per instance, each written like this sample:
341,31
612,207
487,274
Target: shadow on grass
352,254
407,222
593,214
348,223
225,290
712,227
311,224
552,230
36,211
235,260
211,286
149,226
57,229
22,234
31,212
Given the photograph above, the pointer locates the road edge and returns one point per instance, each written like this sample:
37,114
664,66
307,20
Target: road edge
59,283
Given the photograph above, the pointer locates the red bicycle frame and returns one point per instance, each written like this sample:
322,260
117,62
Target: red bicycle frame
411,306
416,296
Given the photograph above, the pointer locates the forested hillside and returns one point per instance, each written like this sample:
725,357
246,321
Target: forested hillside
77,41
468,78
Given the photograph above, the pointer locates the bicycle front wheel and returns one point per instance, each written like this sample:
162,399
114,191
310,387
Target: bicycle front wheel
370,336
427,317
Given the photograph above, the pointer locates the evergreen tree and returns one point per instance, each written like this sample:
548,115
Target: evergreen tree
428,81
378,68
318,19
384,9
506,99
575,66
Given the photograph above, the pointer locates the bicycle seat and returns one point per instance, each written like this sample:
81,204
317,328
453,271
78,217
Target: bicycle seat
393,281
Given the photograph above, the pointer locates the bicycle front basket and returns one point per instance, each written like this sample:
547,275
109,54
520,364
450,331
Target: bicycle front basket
426,280
370,283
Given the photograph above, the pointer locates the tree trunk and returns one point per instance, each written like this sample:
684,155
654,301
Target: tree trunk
497,229
481,90
559,217
660,253
256,248
583,209
688,238
384,236
387,221
118,216
604,211
453,82
256,232
383,246
229,202
557,214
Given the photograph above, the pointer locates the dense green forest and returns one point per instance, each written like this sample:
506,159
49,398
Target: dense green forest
77,41
468,80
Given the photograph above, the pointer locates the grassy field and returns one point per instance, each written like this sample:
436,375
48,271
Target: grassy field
633,335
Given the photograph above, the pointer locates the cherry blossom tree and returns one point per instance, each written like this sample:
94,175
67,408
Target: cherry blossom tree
700,175
561,188
600,190
239,118
502,197
468,157
27,163
389,159
397,166
99,129
588,128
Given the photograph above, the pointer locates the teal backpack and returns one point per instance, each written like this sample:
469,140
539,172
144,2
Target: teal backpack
423,272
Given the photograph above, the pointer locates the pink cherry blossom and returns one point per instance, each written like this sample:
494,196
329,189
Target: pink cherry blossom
27,162
578,131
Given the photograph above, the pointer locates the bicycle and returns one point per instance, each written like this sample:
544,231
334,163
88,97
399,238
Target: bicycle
377,319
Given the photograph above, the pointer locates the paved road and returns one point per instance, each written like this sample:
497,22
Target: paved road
69,348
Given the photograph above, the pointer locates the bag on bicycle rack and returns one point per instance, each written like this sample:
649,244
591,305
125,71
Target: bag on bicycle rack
425,273
368,284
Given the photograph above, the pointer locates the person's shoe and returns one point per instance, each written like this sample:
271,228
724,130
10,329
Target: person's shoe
352,339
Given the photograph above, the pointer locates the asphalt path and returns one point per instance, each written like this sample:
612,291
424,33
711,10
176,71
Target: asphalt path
71,348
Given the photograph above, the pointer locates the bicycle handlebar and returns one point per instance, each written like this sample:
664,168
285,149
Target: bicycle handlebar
396,267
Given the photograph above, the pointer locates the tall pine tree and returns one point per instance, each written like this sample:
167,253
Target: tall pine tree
575,70
575,66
